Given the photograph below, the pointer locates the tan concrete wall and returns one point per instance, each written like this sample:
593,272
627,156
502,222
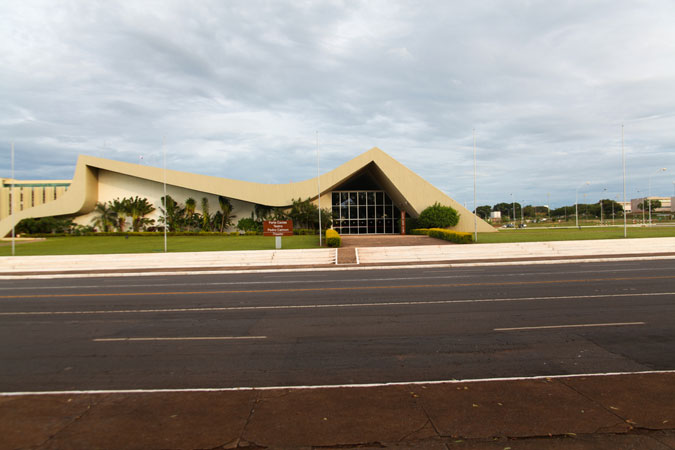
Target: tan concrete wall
112,185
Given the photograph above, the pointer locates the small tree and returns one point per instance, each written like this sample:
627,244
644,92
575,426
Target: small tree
438,216
225,215
105,216
644,205
206,217
120,208
484,211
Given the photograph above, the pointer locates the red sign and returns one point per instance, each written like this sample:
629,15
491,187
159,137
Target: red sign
278,228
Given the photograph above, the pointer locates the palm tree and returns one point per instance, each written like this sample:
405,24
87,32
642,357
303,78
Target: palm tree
138,208
206,217
261,212
105,218
173,214
119,207
190,205
226,215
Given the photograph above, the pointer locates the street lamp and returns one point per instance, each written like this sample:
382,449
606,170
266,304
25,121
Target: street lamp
663,169
603,192
576,203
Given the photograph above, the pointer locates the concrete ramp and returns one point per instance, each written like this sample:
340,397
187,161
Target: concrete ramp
173,261
521,250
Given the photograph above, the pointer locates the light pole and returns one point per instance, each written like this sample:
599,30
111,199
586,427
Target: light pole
649,193
12,210
475,210
639,192
576,203
514,209
318,185
603,191
623,164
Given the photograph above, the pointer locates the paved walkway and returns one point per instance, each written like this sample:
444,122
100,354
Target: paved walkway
361,250
610,412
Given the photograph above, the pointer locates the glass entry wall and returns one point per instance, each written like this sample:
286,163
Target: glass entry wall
364,212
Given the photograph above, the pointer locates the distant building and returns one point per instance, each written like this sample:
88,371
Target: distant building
667,204
496,216
626,206
28,194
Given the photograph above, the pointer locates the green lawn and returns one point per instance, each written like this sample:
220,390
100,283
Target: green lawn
83,245
570,234
87,245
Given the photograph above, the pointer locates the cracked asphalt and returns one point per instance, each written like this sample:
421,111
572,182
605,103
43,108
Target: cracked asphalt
610,412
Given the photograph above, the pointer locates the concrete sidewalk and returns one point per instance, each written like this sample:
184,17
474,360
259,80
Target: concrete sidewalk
444,253
578,412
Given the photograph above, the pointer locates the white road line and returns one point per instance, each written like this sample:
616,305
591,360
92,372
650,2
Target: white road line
197,338
330,386
326,306
583,325
332,268
322,280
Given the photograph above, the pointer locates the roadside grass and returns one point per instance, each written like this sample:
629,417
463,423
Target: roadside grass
90,245
571,234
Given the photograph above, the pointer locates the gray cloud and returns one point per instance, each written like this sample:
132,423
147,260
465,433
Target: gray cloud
239,89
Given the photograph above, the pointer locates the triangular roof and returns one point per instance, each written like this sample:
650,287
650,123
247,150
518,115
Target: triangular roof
407,189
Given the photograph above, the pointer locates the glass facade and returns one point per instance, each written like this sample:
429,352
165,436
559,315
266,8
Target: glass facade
364,212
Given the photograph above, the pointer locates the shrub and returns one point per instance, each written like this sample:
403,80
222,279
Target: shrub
333,239
247,224
304,231
438,216
457,237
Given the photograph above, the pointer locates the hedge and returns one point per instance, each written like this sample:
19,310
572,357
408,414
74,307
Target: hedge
143,234
333,239
457,237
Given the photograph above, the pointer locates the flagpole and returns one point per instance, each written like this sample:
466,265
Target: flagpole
11,204
318,185
475,209
166,212
623,160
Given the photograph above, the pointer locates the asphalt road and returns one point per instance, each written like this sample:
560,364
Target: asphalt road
336,327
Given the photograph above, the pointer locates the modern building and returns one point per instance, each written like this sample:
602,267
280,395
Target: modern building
666,204
28,194
368,195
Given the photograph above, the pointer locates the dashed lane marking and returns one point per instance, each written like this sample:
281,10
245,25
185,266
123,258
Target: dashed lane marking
581,325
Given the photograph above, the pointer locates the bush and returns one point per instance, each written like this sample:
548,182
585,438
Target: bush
438,216
457,237
333,239
304,231
247,224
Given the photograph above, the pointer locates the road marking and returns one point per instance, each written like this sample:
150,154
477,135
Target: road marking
328,305
165,272
618,324
332,386
197,338
323,280
342,288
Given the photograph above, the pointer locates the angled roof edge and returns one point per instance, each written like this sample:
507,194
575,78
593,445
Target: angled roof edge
83,192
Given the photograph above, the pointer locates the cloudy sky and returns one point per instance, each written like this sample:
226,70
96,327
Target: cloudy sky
240,89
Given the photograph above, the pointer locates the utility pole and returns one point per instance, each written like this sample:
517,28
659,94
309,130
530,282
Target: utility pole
623,161
166,212
11,204
318,184
475,208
